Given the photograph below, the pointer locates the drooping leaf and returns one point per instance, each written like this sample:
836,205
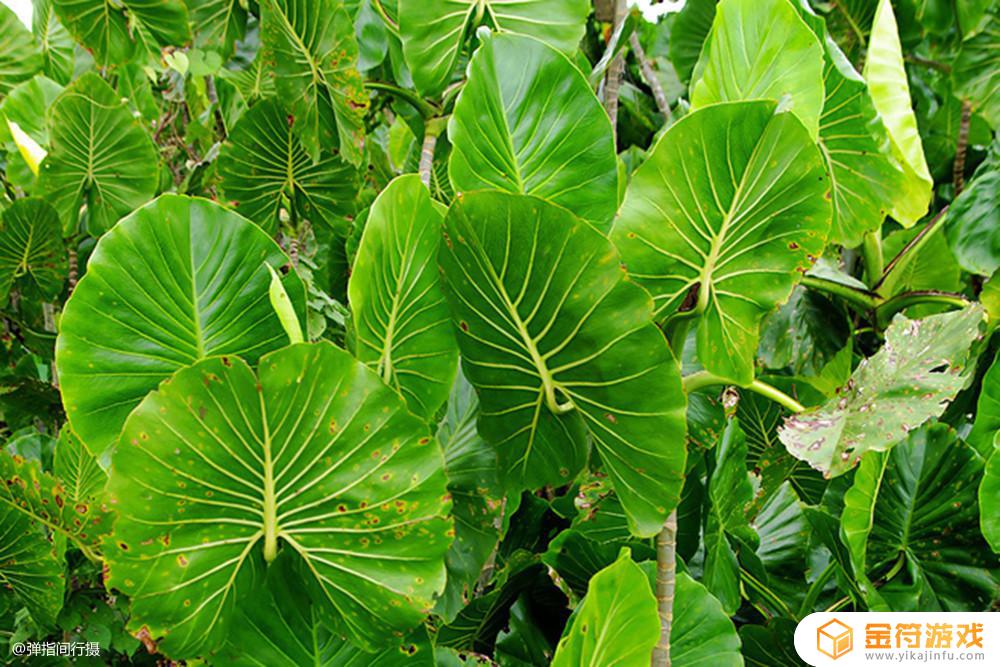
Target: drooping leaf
987,423
177,281
78,470
32,256
127,30
30,570
761,50
264,169
54,42
19,57
99,157
917,504
731,207
890,93
402,324
922,366
311,460
617,623
218,24
433,31
310,47
972,225
558,343
688,33
701,632
527,122
977,70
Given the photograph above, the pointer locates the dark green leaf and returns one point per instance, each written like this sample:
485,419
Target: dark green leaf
32,257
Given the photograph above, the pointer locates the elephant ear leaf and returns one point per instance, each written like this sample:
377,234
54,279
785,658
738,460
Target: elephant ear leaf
977,70
786,62
19,58
989,498
99,156
920,369
527,122
722,220
312,463
118,33
32,573
886,77
219,24
617,623
81,474
987,423
32,256
559,344
177,281
401,320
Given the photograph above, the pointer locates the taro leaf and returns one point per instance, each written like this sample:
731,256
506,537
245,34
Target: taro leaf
19,57
253,83
177,281
471,467
804,334
770,645
549,367
31,572
80,473
987,423
784,544
701,632
890,92
218,24
402,324
433,30
972,225
787,62
577,558
26,105
913,511
919,370
688,33
310,47
53,41
312,457
977,71
617,623
127,30
929,267
32,256
522,644
731,205
527,122
264,168
100,156
989,500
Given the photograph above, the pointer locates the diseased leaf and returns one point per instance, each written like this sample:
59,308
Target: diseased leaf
19,57
32,256
312,461
127,30
972,225
527,122
922,366
558,343
402,324
177,281
731,208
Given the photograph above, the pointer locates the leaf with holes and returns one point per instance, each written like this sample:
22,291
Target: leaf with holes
127,30
311,461
32,257
722,219
177,281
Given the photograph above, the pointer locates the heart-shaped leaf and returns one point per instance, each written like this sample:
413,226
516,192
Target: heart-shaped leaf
972,225
527,122
19,58
264,168
127,30
177,281
558,343
761,50
921,367
977,70
100,157
32,256
433,31
313,461
219,24
310,47
54,42
401,320
722,219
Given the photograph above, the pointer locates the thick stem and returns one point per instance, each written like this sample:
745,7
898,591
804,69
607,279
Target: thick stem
884,313
425,108
74,269
427,158
613,82
913,247
958,170
863,300
703,379
666,571
874,260
650,77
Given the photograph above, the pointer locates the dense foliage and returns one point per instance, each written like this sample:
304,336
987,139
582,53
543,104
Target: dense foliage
491,331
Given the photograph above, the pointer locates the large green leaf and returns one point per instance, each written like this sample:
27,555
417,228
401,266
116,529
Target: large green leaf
761,49
922,366
53,41
701,632
688,33
100,156
31,572
890,93
32,256
989,499
177,281
433,31
310,47
265,169
987,423
119,32
972,225
527,122
219,24
977,71
732,207
617,622
19,57
557,342
312,460
402,325
913,512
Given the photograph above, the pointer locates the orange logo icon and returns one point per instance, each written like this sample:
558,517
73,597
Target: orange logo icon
834,639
